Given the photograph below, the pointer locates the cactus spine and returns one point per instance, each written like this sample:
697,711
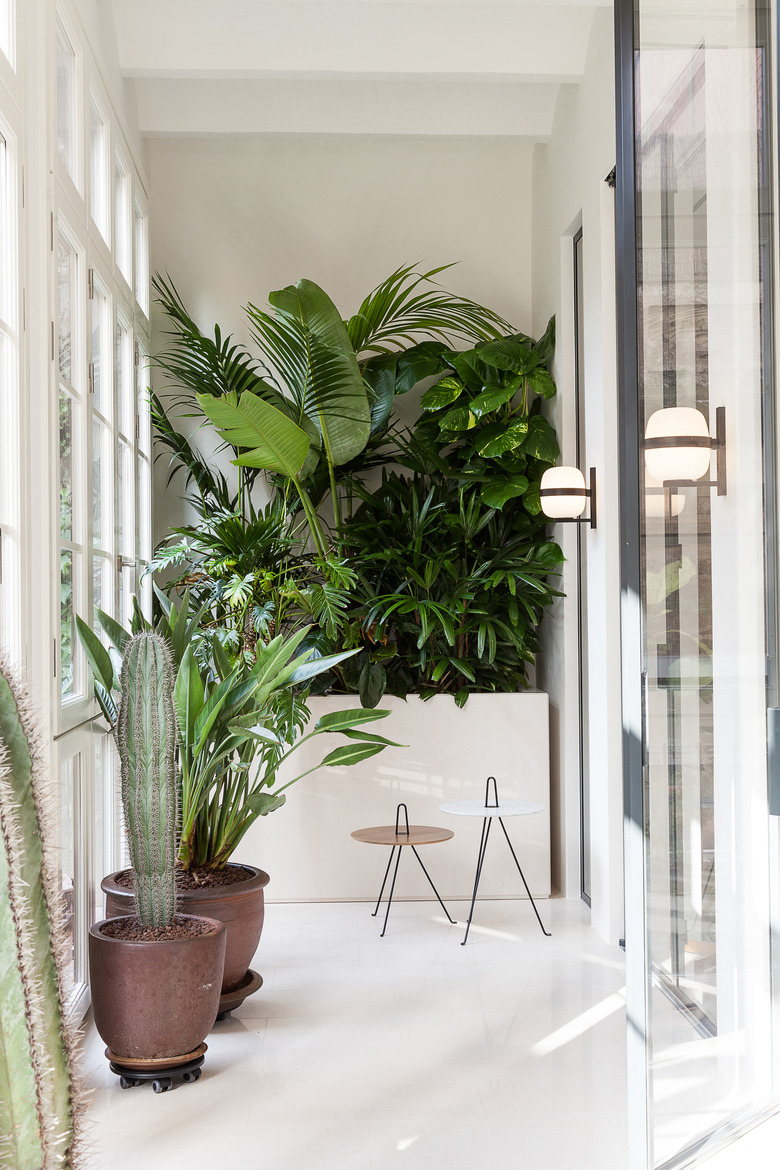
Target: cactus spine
146,738
36,1088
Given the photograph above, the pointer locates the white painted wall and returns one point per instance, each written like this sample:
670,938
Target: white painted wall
233,218
306,845
569,191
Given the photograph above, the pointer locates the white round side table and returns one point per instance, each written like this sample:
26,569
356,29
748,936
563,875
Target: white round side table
491,810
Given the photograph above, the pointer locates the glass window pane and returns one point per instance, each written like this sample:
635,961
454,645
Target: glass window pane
67,439
67,306
144,510
67,117
67,861
101,350
102,510
122,218
102,586
125,391
125,502
69,657
141,242
8,31
99,176
143,385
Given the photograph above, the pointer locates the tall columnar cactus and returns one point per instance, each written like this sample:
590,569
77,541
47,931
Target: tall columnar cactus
36,1085
146,738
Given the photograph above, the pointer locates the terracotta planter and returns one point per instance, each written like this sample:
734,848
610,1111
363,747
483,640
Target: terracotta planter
153,1000
241,907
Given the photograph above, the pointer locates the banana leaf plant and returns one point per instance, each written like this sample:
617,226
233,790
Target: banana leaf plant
237,722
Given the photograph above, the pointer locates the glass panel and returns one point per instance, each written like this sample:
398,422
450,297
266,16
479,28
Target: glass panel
69,657
99,177
102,510
141,241
143,383
122,227
100,822
67,306
67,120
102,586
125,501
67,860
8,279
101,350
7,31
144,510
125,395
67,436
703,301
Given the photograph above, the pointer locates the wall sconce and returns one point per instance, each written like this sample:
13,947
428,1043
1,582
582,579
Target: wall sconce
655,499
678,446
563,495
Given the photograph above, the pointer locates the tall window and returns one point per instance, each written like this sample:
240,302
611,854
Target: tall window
99,170
123,246
141,249
67,103
9,400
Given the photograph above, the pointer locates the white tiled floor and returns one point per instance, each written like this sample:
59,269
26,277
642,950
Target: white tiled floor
361,1053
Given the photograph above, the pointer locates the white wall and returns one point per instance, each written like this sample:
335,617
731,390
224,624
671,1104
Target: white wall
446,755
569,191
235,217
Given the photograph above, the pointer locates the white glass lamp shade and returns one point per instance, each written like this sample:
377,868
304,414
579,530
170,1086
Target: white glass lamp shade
655,504
563,506
678,461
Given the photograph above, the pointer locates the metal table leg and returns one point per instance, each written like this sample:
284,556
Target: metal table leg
522,875
433,887
486,823
375,911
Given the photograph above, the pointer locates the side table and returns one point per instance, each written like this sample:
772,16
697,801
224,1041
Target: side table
488,811
398,836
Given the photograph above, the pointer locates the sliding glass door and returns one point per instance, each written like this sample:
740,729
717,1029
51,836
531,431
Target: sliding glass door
696,228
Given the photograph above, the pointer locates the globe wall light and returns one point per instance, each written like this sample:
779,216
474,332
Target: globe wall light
678,446
564,496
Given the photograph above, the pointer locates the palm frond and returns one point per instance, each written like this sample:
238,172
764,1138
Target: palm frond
212,485
398,313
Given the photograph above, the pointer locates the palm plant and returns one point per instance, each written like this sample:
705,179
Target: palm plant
238,722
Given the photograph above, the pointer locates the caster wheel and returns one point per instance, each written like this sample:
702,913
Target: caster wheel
124,1083
222,1016
196,1074
161,1086
188,1076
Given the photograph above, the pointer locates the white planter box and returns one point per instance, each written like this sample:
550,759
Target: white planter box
306,845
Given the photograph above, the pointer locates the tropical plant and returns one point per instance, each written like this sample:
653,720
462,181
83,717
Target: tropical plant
238,722
145,733
37,1112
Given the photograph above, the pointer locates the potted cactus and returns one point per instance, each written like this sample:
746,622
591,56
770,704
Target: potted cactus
155,975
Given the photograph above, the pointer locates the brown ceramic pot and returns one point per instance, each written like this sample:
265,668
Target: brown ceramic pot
241,907
159,999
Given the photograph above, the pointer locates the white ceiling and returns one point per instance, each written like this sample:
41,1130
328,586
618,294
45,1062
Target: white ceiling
444,67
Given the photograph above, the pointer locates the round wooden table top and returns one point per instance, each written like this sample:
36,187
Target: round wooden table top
417,835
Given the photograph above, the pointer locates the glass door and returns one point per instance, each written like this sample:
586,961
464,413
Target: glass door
699,567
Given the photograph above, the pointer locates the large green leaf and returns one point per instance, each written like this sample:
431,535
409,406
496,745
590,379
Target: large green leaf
495,495
351,753
188,696
274,441
442,394
541,383
506,440
98,657
335,397
508,354
347,719
459,418
542,442
492,397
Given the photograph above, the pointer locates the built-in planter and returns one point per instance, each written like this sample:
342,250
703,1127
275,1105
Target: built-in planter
306,845
240,906
155,1000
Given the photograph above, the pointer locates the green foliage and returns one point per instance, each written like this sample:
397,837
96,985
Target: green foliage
238,718
36,1082
146,742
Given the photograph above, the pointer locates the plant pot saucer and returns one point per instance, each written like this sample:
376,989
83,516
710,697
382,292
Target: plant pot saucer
159,1062
230,1000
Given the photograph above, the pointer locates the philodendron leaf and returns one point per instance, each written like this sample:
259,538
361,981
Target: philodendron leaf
531,500
494,396
351,753
442,394
346,720
373,680
542,442
507,440
459,418
541,383
508,353
495,495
